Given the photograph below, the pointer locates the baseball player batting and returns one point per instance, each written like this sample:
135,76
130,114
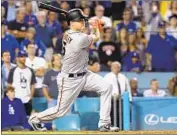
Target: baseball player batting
75,77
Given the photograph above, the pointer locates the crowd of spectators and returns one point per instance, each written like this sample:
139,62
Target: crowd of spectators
141,35
138,36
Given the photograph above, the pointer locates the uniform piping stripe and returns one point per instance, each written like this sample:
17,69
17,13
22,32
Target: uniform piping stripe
59,103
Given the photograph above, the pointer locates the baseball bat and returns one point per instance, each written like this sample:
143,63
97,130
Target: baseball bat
51,8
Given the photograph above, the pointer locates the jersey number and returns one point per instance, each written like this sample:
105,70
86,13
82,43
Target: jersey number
66,40
63,48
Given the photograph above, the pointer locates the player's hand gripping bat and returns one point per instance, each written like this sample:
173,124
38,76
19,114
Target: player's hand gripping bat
97,23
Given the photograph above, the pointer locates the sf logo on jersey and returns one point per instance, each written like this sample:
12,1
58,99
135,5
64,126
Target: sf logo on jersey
66,40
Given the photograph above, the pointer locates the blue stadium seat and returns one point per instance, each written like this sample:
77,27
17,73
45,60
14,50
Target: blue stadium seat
87,104
88,109
39,104
68,122
103,73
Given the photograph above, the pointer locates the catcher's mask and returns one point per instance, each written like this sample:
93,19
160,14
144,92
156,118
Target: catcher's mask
77,15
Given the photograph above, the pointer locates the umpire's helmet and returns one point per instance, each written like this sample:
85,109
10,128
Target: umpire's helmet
76,15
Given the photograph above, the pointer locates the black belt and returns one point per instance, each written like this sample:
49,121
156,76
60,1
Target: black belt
77,75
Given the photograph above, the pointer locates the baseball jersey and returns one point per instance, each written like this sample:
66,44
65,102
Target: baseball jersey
21,80
36,63
75,51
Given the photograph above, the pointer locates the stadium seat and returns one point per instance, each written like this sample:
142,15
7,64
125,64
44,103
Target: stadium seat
103,73
88,109
68,122
39,104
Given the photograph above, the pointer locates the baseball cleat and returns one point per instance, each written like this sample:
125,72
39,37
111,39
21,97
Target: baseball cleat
37,126
108,128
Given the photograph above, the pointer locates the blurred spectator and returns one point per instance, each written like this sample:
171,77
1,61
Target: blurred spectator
45,34
172,10
146,5
64,23
22,78
53,23
119,81
99,12
132,41
50,87
154,91
39,66
172,29
94,65
6,67
136,9
4,4
172,86
58,47
64,5
134,65
127,22
18,27
107,4
3,12
117,9
161,51
127,62
87,11
11,10
14,117
30,38
84,3
20,4
29,18
123,41
134,88
35,7
141,44
108,50
8,42
56,3
155,19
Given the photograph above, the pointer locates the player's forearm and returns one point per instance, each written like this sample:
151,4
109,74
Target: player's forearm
32,90
45,91
148,61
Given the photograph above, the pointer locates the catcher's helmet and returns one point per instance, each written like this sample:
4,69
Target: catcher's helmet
76,15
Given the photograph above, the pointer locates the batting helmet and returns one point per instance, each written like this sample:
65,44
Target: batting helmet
76,15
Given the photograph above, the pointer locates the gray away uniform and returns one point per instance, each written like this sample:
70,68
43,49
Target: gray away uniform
75,61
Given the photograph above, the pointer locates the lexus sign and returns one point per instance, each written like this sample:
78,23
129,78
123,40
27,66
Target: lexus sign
153,119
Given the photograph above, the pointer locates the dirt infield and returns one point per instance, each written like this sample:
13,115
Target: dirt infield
92,132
